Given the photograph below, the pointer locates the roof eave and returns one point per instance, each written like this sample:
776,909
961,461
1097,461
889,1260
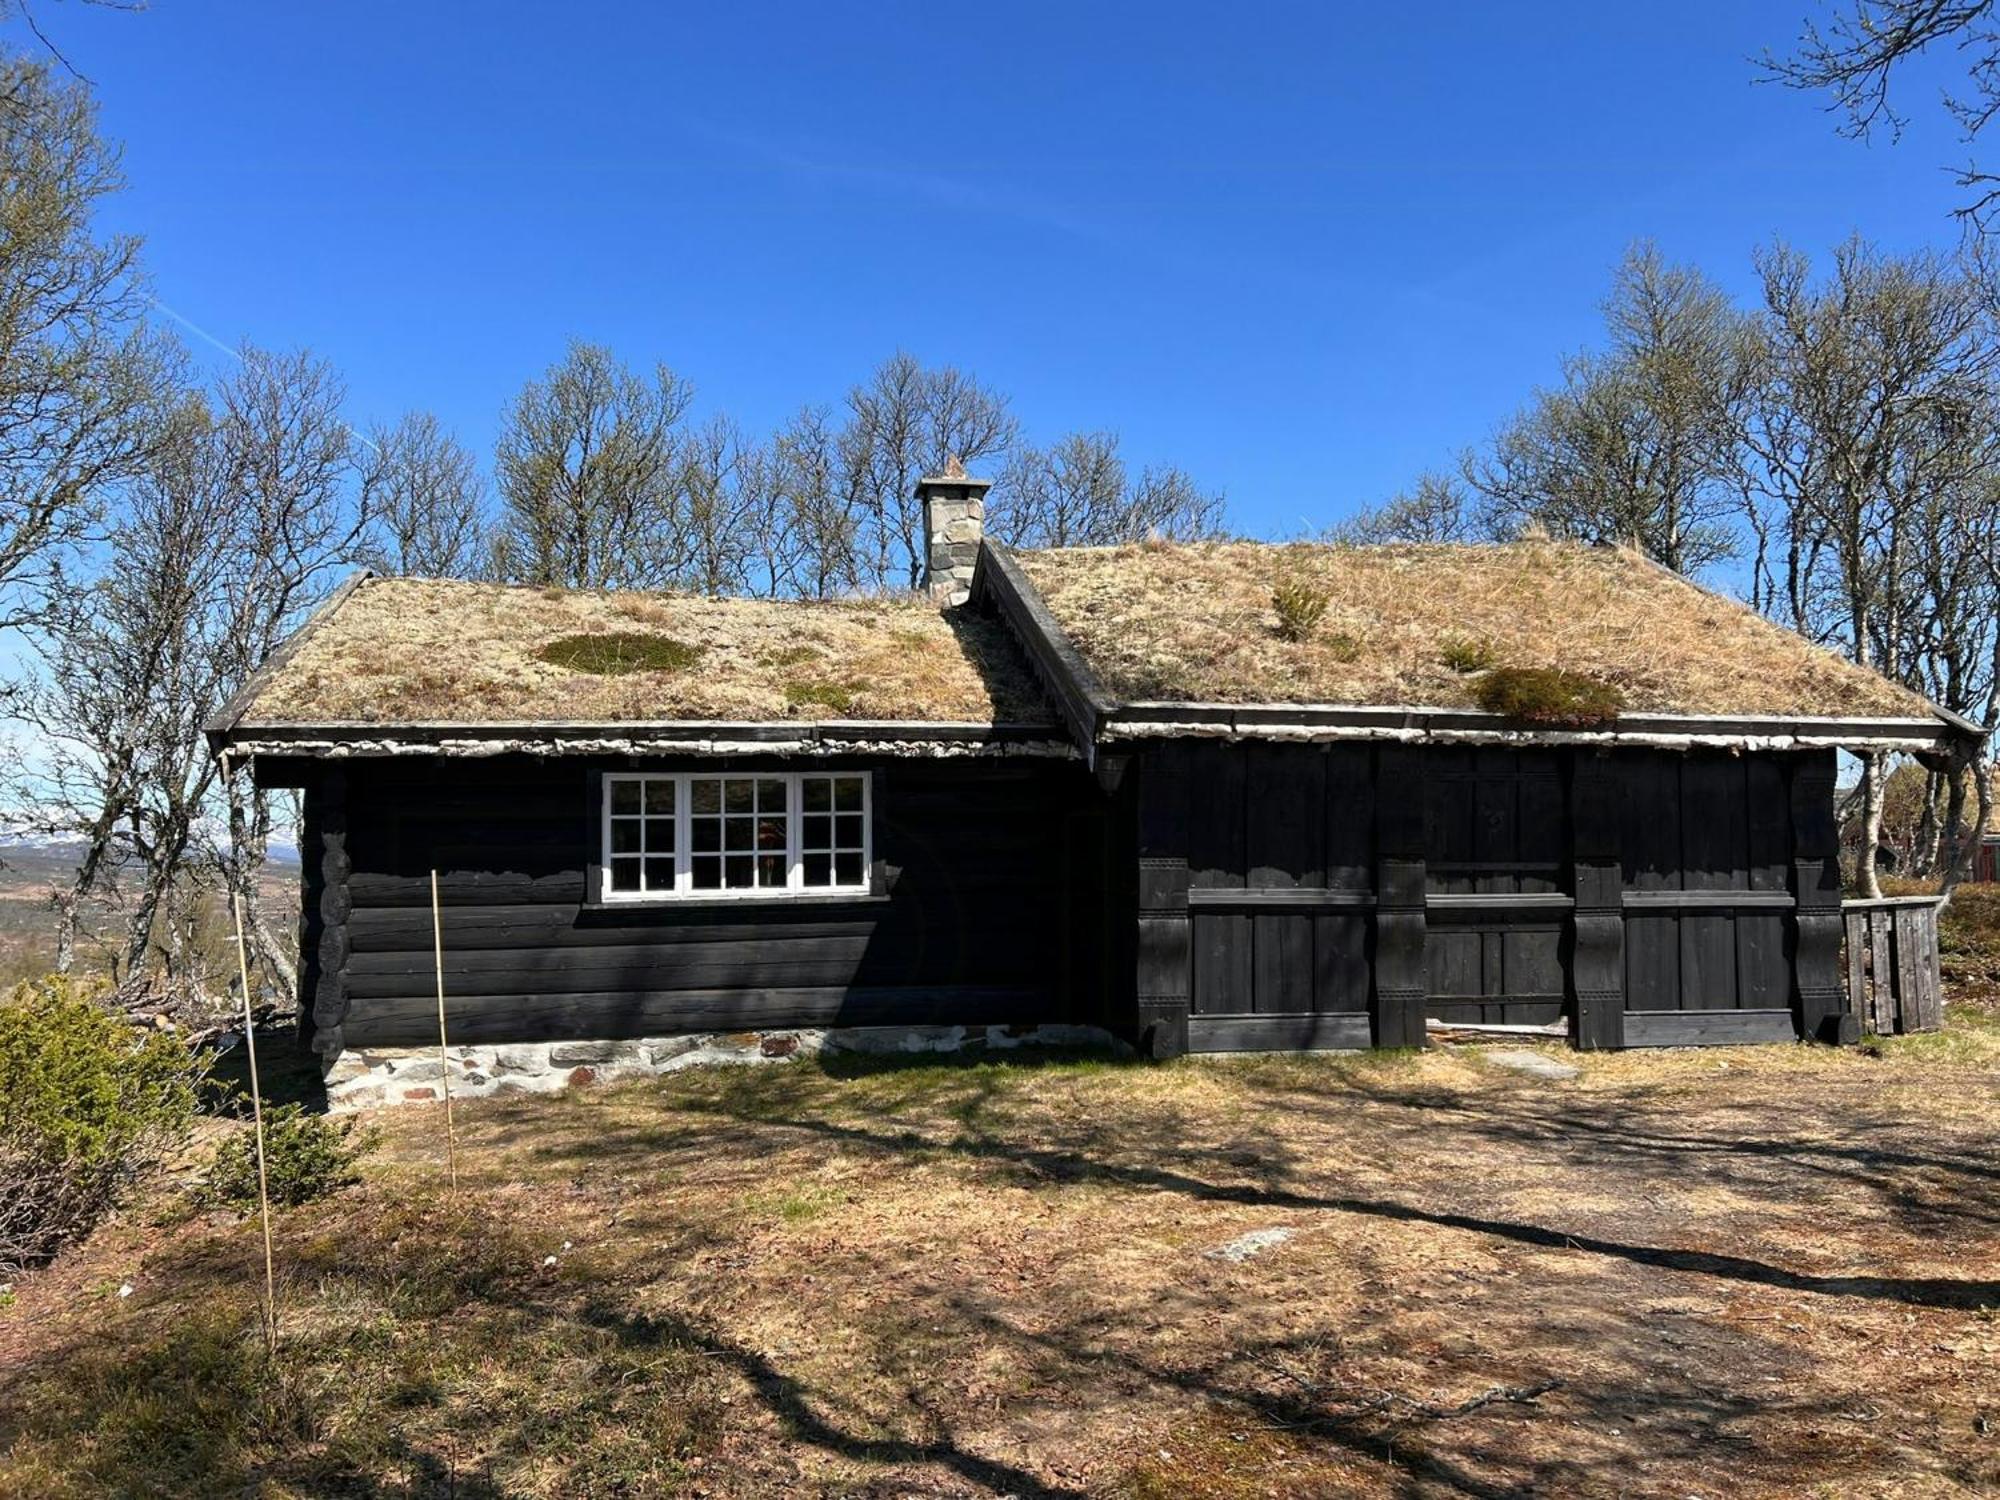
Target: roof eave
350,739
1412,723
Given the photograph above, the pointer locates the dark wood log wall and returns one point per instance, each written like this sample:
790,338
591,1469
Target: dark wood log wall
981,920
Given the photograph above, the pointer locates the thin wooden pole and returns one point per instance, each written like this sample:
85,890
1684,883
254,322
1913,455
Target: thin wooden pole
257,1117
444,1052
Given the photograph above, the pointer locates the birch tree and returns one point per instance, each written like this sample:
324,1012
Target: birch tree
588,469
425,501
81,382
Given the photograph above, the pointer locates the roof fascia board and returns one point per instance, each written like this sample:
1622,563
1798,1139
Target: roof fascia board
1079,696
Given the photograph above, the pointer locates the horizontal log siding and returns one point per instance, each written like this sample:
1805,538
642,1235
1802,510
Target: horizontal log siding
976,926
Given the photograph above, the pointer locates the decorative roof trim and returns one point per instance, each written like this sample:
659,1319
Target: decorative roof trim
1067,678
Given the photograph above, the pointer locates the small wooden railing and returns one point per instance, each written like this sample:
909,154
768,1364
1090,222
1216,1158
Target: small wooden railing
1893,981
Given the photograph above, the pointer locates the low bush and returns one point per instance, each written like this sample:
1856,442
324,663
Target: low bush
305,1157
1300,604
1463,654
819,692
88,1104
1550,696
615,653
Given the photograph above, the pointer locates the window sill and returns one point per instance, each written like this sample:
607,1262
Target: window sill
727,903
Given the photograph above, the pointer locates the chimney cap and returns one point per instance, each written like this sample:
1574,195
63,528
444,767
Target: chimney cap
954,475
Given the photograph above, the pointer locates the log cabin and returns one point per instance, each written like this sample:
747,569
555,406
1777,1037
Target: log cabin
1196,797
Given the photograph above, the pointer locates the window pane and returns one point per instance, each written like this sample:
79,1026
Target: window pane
771,871
624,874
818,869
705,796
736,796
659,835
849,830
818,794
659,795
625,796
704,834
816,833
738,833
659,874
848,869
707,871
738,871
848,790
624,835
770,834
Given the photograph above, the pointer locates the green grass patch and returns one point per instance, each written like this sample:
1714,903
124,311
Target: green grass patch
823,692
616,653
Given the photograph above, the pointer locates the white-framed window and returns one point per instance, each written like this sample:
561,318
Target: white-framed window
700,835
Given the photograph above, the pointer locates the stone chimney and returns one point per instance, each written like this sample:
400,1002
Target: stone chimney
954,520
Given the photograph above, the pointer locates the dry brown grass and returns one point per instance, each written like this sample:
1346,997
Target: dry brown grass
1195,623
402,650
1752,1272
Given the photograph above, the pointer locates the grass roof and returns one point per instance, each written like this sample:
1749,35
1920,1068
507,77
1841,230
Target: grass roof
408,650
1416,625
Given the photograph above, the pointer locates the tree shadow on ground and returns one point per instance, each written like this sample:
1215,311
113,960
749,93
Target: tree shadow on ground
1057,1164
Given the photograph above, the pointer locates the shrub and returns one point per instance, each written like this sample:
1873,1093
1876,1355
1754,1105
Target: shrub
305,1157
817,692
87,1105
1549,695
615,653
1300,604
1463,654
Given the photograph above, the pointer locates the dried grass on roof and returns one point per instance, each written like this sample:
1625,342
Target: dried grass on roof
1196,623
405,650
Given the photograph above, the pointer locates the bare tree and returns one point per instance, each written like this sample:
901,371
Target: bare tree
815,530
1437,508
1856,55
1638,445
1871,413
296,523
726,507
1077,493
588,468
903,422
80,381
128,670
424,497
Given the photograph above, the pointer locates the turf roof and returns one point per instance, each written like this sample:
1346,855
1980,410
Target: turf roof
414,651
1195,622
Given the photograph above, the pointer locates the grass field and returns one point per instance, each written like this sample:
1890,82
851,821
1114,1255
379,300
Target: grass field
1754,1271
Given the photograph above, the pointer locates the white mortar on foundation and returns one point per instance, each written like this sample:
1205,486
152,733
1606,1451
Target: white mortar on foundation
370,1077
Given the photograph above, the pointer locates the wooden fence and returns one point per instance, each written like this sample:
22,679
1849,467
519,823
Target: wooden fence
1893,983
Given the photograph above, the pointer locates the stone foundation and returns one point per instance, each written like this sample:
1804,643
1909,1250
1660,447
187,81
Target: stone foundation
368,1078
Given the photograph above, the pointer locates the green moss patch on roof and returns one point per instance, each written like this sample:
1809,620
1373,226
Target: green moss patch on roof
1196,623
407,650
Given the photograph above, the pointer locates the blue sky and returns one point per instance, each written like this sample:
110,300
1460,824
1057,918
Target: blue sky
1303,251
